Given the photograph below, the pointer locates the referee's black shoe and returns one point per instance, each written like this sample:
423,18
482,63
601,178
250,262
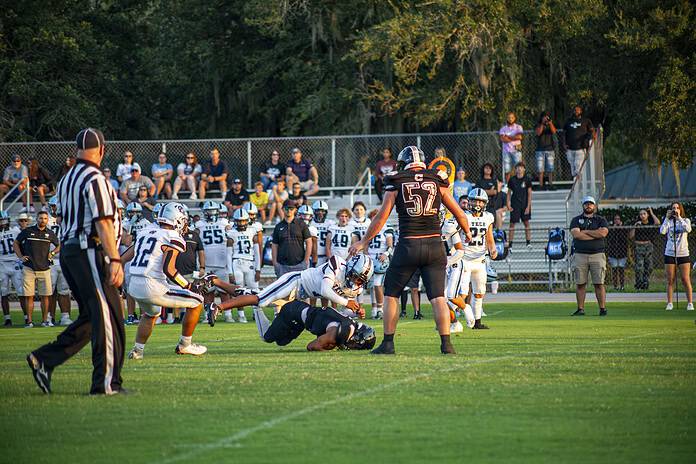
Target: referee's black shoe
384,348
42,374
579,312
447,348
417,316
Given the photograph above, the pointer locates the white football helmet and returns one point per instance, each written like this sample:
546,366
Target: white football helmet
53,206
381,267
120,205
223,210
252,210
211,210
4,220
321,210
306,213
156,210
175,215
241,219
134,210
359,270
478,195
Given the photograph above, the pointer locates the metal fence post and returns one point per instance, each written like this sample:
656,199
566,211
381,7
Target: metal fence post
333,163
164,147
418,141
248,163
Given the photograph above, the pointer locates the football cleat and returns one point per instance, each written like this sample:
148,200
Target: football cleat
47,324
403,315
65,321
229,318
602,312
135,354
579,312
447,348
384,348
239,291
456,327
243,319
669,307
417,316
211,312
42,375
479,326
8,322
192,349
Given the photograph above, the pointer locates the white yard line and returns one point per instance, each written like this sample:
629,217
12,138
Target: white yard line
231,441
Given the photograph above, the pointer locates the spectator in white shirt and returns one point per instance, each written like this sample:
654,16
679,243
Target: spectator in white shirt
187,173
123,171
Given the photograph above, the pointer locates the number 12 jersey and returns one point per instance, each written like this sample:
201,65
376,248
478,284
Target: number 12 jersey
148,259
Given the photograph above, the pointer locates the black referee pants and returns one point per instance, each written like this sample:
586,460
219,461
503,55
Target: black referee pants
100,320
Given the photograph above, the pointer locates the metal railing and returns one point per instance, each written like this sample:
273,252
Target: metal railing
363,184
590,178
27,193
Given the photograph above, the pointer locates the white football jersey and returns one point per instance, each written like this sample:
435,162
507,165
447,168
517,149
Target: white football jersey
256,227
378,245
322,230
450,234
360,226
135,227
243,246
55,228
148,259
340,239
313,231
478,225
214,238
7,238
334,270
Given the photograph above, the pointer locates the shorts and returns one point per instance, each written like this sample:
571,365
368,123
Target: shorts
474,273
286,326
378,280
284,289
517,215
426,255
616,262
216,185
152,295
60,285
595,264
8,275
545,160
244,273
678,260
306,185
510,159
575,159
36,282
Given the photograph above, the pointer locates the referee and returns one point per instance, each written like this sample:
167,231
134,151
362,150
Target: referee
90,233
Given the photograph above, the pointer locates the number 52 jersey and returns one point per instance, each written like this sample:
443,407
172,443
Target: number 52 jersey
148,259
417,200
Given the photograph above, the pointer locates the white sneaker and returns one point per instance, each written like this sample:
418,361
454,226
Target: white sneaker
690,307
175,196
65,321
47,324
456,327
229,318
193,349
194,196
242,319
483,313
669,307
135,354
170,318
469,316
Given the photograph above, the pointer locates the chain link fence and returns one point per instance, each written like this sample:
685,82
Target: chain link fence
339,159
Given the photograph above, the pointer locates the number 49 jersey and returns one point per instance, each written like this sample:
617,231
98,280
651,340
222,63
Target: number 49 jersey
340,240
214,238
417,200
148,259
479,225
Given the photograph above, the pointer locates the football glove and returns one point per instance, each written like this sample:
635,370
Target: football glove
204,284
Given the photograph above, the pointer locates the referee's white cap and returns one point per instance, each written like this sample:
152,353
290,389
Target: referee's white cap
89,138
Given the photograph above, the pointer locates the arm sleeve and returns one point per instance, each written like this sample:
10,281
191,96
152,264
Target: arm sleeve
99,199
327,290
687,224
664,228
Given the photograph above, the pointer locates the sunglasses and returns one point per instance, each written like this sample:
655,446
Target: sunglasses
189,157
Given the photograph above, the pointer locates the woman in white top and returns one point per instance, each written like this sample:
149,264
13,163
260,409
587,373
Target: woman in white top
677,227
187,173
123,171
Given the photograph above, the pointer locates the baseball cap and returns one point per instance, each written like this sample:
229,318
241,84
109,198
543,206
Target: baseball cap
296,150
135,167
23,217
89,138
289,204
16,158
237,181
588,199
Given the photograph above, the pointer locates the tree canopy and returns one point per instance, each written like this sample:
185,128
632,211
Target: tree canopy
228,68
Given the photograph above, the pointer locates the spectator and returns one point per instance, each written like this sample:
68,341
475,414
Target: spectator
15,174
33,247
291,242
130,187
272,171
644,232
214,175
111,180
589,231
297,195
511,136
187,173
146,201
545,153
236,197
519,203
124,170
489,183
162,173
260,199
464,202
577,134
440,152
302,171
461,186
384,166
69,163
617,252
40,180
677,227
277,198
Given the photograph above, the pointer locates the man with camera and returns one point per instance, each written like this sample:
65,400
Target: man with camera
577,134
545,150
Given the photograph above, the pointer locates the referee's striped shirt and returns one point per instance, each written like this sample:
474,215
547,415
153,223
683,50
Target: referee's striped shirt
84,196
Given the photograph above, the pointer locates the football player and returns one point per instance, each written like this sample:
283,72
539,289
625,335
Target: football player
339,236
213,232
8,259
256,226
455,251
321,212
152,261
307,215
474,259
360,222
380,250
417,193
337,281
61,289
135,223
331,328
245,266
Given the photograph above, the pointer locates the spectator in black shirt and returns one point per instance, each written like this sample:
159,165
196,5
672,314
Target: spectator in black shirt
214,175
236,197
545,153
519,202
272,171
40,180
33,247
146,201
297,195
617,252
291,243
644,233
577,134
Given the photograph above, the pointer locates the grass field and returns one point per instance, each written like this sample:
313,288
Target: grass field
539,387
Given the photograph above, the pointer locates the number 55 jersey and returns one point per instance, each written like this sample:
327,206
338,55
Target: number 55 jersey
214,237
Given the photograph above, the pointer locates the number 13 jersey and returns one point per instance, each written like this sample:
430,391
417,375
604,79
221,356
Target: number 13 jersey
479,225
148,259
417,200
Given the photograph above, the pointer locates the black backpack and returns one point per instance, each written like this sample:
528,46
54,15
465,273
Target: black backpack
556,247
500,239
